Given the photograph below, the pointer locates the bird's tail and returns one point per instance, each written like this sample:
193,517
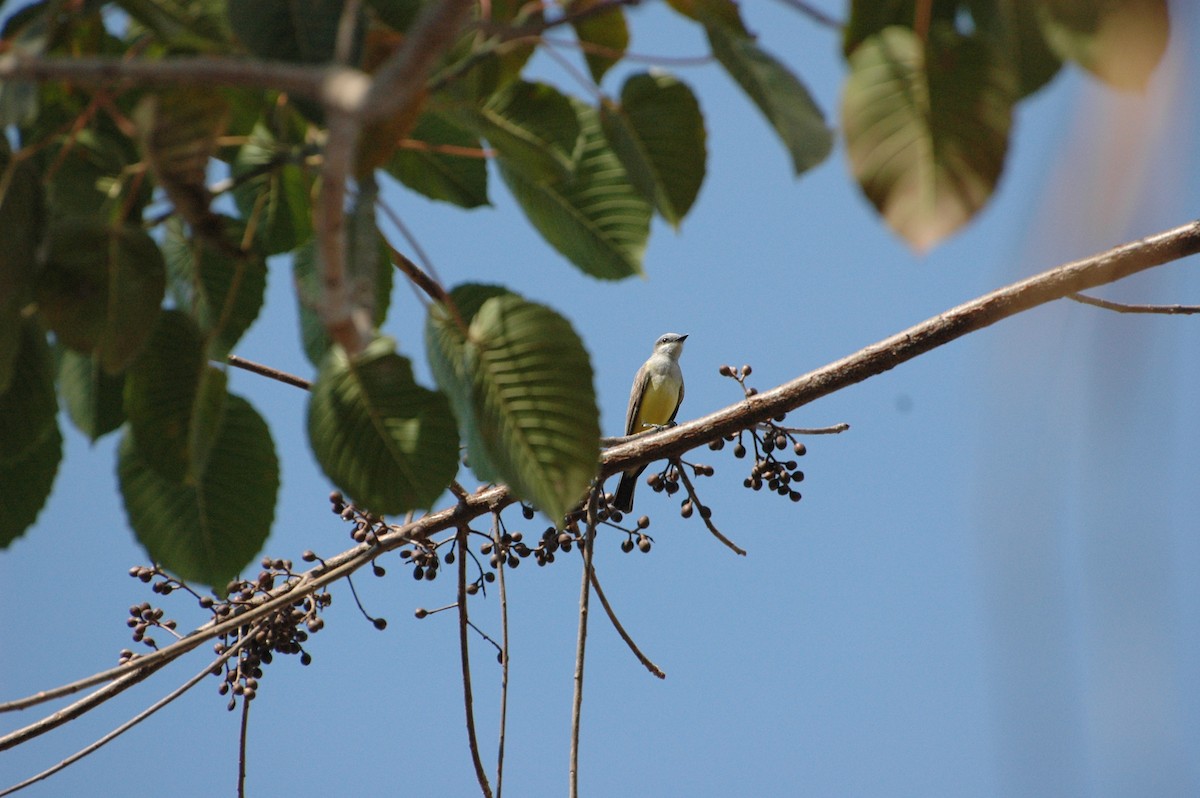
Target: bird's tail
624,498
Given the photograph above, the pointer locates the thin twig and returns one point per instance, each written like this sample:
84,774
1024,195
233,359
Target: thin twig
242,735
129,724
830,430
586,547
464,651
1121,307
267,371
702,511
503,658
612,616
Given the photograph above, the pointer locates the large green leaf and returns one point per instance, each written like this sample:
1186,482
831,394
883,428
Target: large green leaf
183,25
604,35
100,288
169,398
27,482
94,398
522,386
658,133
221,290
442,161
533,126
869,17
594,217
29,406
273,194
1016,36
1119,41
779,94
927,128
386,441
21,222
208,528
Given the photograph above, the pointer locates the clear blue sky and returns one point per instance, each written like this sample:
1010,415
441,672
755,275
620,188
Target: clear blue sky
989,588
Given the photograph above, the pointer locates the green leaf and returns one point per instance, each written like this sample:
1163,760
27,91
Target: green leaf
27,482
100,289
277,201
93,397
446,347
442,161
222,291
658,133
21,222
162,390
29,407
869,17
1119,41
927,128
522,386
604,35
209,528
533,126
781,97
307,275
385,440
594,217
90,175
398,15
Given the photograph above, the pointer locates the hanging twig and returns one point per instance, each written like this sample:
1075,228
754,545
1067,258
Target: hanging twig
612,616
586,548
464,651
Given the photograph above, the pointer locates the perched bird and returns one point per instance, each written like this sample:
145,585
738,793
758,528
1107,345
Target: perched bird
653,402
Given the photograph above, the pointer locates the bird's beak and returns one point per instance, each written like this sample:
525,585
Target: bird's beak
683,337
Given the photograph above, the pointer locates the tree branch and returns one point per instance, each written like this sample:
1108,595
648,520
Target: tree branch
877,358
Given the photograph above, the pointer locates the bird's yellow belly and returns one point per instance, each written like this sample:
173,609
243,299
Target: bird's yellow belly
658,404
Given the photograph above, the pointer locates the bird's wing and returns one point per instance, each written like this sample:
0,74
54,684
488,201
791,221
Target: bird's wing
635,399
678,403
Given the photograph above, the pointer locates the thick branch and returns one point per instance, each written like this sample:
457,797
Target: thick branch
1080,275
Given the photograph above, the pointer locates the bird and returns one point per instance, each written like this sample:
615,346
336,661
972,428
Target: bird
654,400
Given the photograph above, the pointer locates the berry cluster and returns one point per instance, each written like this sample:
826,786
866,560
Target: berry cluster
769,442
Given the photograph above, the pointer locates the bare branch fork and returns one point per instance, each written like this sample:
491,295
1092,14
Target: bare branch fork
1100,269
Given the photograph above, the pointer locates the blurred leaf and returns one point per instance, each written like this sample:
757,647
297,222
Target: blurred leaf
179,129
522,383
658,133
781,97
604,35
307,275
927,128
90,175
303,31
29,407
533,126
1119,41
396,14
24,34
385,440
1017,37
594,217
209,528
222,292
94,399
869,17
100,289
27,483
442,161
184,25
277,200
21,221
162,390
712,12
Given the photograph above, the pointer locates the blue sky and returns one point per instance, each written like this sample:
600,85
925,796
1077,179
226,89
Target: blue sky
987,590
